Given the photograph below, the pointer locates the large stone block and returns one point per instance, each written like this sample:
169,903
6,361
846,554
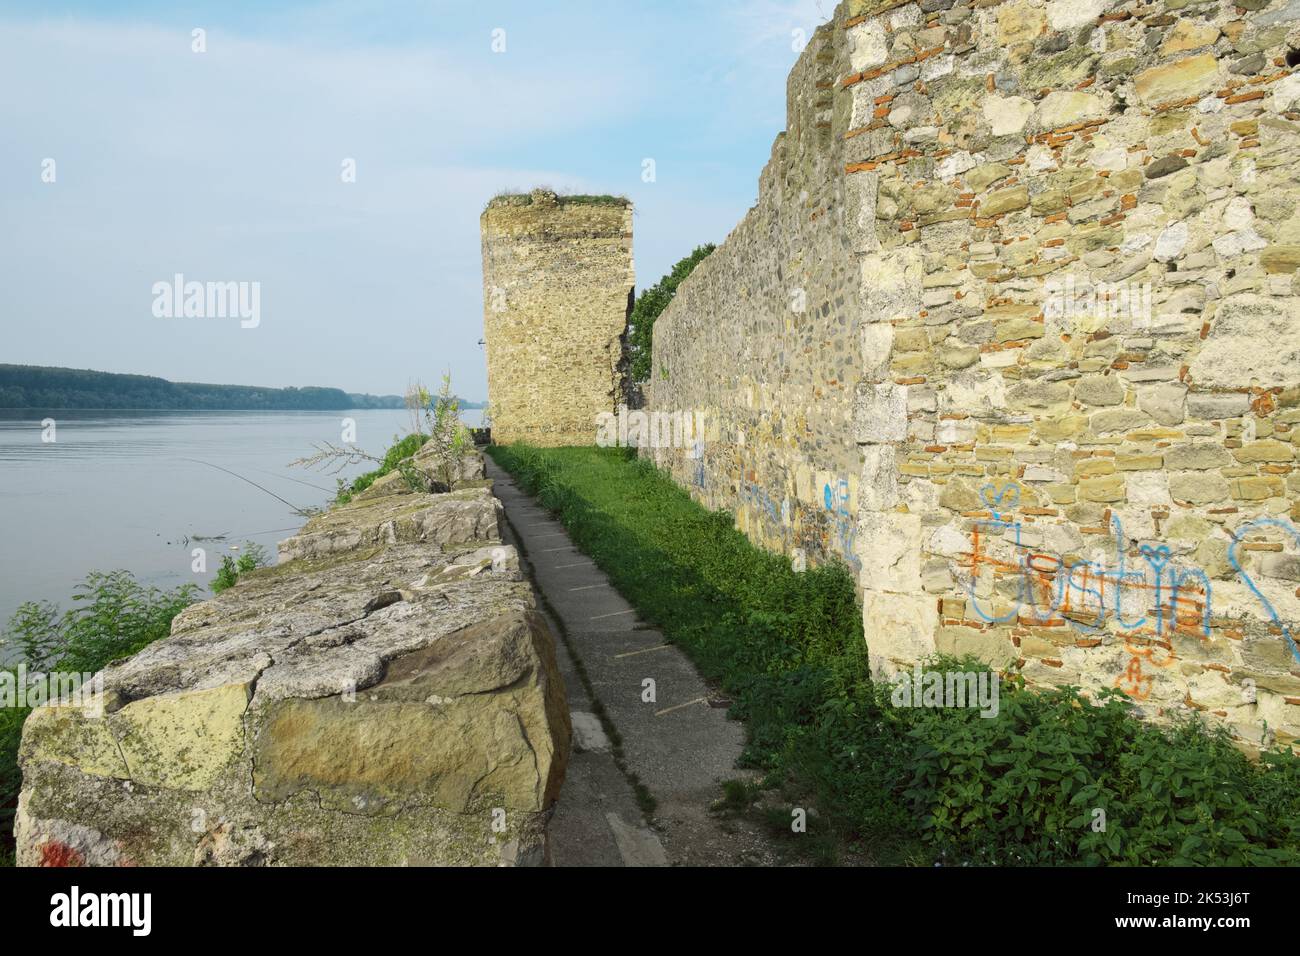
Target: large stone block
1252,338
877,346
1020,22
1063,108
1197,456
868,45
463,723
878,486
891,285
1008,115
880,413
1181,79
889,547
459,517
899,629
1198,487
993,647
1071,14
1166,403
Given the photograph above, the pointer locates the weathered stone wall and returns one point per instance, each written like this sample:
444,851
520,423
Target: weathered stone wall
762,340
1073,231
386,695
557,287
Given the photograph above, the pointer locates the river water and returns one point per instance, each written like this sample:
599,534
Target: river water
138,490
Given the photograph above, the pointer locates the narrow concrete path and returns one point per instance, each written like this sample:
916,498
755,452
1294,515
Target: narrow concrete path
677,741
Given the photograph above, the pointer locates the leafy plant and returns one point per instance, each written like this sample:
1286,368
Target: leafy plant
417,401
113,616
251,556
414,478
448,436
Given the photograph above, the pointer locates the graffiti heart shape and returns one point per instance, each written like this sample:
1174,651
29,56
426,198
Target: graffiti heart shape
1156,557
993,501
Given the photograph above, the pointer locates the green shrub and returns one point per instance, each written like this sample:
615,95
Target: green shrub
251,556
1031,784
113,616
650,304
911,784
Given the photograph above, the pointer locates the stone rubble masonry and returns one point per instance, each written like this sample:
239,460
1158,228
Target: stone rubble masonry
386,695
893,376
558,283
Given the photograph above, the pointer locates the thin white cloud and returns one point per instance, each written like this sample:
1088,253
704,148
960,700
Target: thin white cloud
764,22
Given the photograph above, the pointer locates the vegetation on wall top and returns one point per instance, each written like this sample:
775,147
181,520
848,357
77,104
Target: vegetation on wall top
526,199
650,304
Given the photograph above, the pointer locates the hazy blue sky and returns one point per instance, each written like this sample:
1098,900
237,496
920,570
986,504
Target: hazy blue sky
226,165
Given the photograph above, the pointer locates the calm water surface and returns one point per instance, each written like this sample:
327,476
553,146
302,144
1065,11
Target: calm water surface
128,490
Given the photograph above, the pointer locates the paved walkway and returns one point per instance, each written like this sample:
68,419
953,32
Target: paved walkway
679,745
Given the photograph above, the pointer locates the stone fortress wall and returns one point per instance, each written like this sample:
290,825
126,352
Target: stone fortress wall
762,339
557,289
1012,331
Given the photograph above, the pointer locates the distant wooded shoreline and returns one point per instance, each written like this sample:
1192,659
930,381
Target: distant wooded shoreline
37,386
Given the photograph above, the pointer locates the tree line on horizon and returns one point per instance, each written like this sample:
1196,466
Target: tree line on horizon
35,386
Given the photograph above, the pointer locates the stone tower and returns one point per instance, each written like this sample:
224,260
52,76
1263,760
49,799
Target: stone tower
558,283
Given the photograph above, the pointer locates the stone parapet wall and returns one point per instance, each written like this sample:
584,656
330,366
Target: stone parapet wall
1073,351
386,695
557,287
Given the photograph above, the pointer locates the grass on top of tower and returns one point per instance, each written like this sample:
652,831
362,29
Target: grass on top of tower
510,198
